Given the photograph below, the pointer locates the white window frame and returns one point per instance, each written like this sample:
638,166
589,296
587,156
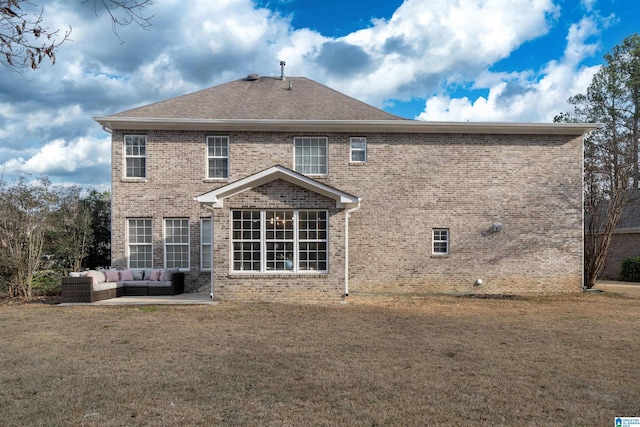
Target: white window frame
206,244
133,156
168,245
147,242
362,150
211,141
303,162
257,239
440,238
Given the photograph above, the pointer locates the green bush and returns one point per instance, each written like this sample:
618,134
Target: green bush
47,283
630,269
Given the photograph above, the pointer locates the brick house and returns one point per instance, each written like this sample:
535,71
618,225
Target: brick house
625,240
282,188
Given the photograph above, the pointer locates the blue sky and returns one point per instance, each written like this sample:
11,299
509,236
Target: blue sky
434,60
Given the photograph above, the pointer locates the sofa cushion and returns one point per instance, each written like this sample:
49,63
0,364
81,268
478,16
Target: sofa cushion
98,276
111,275
76,274
104,286
138,273
135,283
126,275
169,272
147,273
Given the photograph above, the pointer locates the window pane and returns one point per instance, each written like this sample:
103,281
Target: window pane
311,155
312,232
140,248
218,156
176,243
205,244
441,241
135,152
246,240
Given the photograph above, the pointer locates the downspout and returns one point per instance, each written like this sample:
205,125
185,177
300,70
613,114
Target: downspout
348,213
211,289
210,208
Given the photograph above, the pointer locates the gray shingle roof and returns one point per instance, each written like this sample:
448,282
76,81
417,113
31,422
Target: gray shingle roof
630,217
270,98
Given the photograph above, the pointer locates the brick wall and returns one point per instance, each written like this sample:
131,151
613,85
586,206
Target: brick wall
410,184
623,245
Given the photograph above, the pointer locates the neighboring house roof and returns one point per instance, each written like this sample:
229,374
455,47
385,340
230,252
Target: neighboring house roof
297,104
215,198
630,217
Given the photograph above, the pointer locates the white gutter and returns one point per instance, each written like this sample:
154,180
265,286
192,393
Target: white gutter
348,213
401,126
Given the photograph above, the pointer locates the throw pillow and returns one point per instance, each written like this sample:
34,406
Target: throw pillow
155,275
138,274
97,276
169,272
126,275
112,275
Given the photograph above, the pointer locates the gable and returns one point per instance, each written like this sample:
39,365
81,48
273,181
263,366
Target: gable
216,198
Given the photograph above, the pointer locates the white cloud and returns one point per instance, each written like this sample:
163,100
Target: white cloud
426,47
426,44
64,157
525,96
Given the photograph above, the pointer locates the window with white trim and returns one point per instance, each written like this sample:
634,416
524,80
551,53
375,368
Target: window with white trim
358,150
140,247
440,241
217,157
310,156
176,243
135,155
266,241
205,243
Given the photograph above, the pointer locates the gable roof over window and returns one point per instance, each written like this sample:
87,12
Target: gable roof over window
215,198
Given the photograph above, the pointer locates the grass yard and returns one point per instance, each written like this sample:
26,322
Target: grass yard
395,360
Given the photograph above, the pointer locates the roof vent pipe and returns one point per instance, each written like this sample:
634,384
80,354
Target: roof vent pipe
282,64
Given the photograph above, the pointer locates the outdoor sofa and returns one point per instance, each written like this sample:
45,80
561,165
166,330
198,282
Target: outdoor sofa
97,285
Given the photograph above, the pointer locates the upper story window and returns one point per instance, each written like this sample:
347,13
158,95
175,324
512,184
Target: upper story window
135,154
310,155
217,157
440,241
358,150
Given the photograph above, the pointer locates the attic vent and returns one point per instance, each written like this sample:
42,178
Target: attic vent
252,77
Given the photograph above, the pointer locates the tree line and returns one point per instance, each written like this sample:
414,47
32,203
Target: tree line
48,230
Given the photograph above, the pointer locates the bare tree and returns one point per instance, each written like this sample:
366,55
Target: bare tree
611,152
24,223
25,41
71,233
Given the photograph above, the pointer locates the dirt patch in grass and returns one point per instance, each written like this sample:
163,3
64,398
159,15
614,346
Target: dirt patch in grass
403,360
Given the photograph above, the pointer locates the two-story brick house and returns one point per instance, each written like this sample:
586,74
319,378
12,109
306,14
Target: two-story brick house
274,188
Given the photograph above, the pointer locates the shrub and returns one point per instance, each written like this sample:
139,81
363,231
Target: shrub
47,283
630,269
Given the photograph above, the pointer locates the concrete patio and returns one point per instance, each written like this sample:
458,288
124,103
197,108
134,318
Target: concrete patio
180,299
